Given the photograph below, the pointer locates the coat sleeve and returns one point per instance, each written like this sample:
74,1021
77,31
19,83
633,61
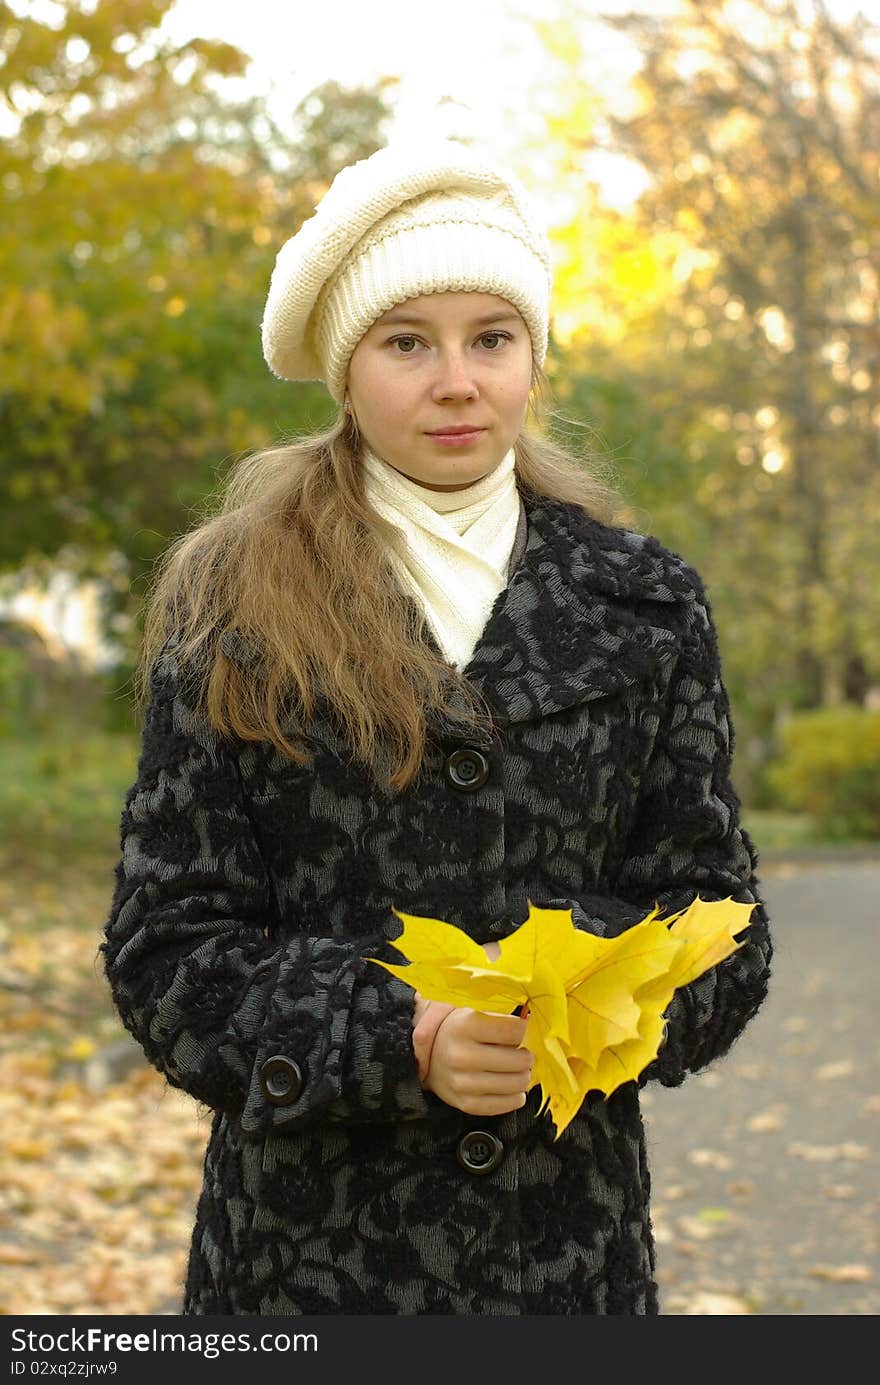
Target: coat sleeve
686,840
272,1033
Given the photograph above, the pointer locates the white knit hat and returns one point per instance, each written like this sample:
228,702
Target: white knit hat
409,220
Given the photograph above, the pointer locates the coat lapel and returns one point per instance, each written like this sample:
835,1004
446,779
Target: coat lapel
589,610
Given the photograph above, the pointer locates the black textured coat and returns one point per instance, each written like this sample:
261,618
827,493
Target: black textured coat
251,889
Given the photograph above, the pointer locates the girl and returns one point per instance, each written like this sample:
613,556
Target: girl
413,664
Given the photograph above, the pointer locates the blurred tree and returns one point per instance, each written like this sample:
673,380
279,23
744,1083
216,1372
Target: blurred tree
737,310
145,201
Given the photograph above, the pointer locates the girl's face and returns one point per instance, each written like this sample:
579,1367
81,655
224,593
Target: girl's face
437,361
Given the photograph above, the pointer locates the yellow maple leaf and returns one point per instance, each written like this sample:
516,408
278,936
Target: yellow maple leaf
602,1001
446,964
595,1006
705,932
707,927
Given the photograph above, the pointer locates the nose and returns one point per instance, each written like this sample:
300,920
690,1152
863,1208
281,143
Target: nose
454,379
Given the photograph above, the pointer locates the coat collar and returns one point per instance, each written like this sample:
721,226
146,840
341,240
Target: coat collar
590,609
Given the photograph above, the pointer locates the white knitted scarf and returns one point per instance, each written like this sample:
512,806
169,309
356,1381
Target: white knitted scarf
458,546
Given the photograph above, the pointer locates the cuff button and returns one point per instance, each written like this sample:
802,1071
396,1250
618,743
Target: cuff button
281,1080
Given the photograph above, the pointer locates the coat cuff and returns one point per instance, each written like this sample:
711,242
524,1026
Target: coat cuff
337,1044
602,915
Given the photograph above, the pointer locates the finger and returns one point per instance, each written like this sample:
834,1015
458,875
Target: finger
474,1106
497,1029
465,1051
500,1058
491,1083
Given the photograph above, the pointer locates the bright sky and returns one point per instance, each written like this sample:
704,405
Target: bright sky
480,58
484,56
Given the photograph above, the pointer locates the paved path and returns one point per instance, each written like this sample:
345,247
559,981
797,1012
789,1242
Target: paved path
765,1167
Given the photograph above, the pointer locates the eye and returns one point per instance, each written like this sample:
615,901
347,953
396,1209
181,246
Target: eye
408,337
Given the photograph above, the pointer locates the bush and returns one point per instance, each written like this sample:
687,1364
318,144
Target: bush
828,765
61,796
18,689
55,699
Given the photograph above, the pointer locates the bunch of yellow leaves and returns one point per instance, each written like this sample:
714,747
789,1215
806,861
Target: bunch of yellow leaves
594,1006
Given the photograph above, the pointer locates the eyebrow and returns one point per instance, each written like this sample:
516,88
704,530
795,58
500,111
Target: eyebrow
407,317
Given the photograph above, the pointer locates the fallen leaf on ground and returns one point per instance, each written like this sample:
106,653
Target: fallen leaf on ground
709,1159
699,1228
17,1255
842,1274
741,1188
765,1121
705,1304
796,1024
828,1154
832,1072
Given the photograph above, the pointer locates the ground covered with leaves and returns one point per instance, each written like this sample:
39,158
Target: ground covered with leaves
102,1159
100,1168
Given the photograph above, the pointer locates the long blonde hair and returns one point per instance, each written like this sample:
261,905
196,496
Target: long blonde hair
293,562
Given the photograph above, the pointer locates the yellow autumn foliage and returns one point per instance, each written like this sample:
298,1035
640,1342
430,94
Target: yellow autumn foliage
595,1006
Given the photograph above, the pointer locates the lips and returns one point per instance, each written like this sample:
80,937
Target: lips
454,432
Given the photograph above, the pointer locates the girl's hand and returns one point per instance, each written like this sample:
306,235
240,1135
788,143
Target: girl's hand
420,1004
428,1018
477,1063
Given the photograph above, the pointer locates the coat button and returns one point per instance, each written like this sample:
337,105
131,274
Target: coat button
281,1080
479,1151
467,769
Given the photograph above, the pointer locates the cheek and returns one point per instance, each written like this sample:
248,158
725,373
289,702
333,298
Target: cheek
375,386
365,377
515,392
517,384
383,408
380,403
384,400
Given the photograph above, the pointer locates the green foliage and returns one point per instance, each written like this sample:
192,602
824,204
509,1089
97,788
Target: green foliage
828,765
145,204
781,832
58,698
17,688
737,443
61,795
44,693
